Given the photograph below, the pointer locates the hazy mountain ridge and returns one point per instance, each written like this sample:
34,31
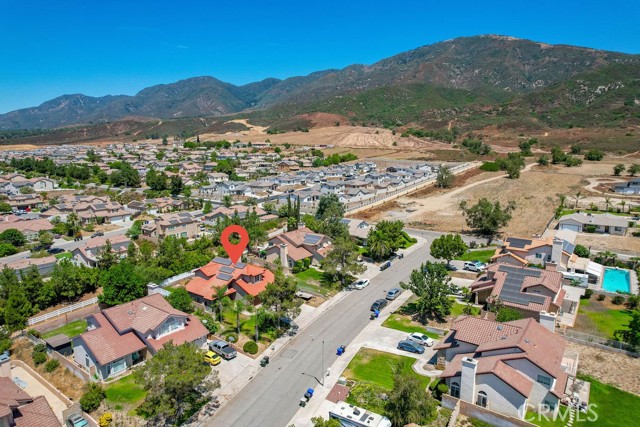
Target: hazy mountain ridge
490,68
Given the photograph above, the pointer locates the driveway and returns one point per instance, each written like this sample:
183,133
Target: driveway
232,374
36,388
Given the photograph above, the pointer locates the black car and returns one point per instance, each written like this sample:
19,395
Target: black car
97,234
451,267
54,251
40,248
379,304
385,266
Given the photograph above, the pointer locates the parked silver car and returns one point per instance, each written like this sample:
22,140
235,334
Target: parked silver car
421,339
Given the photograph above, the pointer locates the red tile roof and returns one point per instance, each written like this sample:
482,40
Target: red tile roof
142,315
205,286
36,414
107,345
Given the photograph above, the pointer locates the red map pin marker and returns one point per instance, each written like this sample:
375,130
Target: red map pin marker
234,251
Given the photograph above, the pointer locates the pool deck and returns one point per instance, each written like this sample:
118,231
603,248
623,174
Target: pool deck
633,282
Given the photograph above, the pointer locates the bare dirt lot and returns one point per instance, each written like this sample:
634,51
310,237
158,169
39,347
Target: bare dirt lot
534,194
617,369
618,244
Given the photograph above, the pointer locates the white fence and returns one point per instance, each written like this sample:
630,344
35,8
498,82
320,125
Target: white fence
61,311
176,278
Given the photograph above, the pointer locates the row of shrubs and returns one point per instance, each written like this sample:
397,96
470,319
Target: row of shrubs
632,301
39,356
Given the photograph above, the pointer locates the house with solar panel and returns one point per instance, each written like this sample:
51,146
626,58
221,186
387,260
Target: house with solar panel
298,245
241,280
531,291
521,252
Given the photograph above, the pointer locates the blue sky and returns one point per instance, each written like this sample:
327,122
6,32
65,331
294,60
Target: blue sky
49,48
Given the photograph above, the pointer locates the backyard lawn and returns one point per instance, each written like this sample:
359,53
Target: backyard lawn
612,406
125,391
377,367
482,255
597,318
457,309
65,255
71,329
311,280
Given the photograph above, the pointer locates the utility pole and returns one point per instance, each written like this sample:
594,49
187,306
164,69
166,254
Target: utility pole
323,365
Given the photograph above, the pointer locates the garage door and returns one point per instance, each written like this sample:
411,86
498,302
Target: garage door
570,227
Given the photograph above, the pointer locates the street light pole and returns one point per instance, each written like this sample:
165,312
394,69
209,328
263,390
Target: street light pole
322,373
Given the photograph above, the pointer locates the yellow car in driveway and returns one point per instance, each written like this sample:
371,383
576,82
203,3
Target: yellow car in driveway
212,359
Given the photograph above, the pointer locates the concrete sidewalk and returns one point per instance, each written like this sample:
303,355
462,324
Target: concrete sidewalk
237,382
376,337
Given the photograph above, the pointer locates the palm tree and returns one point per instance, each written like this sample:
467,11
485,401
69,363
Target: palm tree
634,262
377,246
592,206
237,307
220,297
563,199
261,313
578,196
623,204
607,203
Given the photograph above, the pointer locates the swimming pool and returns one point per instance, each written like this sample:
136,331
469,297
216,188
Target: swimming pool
616,279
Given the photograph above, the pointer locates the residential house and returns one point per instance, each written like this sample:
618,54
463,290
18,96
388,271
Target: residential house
165,204
89,253
30,228
122,336
19,409
298,245
506,367
521,252
631,187
240,280
181,224
25,201
527,290
45,265
600,223
357,228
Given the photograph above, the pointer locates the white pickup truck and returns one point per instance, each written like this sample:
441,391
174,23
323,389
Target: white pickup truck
223,349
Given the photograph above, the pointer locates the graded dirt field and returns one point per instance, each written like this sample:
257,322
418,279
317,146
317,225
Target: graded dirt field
534,194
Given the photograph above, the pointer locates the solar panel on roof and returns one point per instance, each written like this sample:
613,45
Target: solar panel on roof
224,276
240,264
220,260
311,239
518,243
511,289
568,247
227,269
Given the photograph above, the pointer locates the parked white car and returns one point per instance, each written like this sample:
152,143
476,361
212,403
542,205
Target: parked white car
421,339
475,266
361,283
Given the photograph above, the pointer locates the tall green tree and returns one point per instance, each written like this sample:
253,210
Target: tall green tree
378,247
122,283
431,285
65,281
72,225
180,299
33,285
176,185
329,205
448,247
487,218
176,382
280,296
342,261
17,309
409,402
618,169
107,257
631,335
227,201
444,177
208,208
321,422
13,237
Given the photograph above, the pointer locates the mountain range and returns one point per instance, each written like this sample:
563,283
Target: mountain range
473,77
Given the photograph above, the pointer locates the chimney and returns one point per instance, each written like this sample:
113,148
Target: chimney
548,320
284,255
556,251
468,379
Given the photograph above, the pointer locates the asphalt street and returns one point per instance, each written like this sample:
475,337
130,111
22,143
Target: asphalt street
272,397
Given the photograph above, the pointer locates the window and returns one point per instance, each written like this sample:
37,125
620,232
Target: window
455,389
168,327
87,361
617,228
539,255
551,405
545,381
482,399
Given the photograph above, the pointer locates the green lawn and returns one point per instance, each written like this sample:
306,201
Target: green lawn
378,367
125,391
71,329
601,320
67,255
310,280
456,309
613,407
404,323
482,255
